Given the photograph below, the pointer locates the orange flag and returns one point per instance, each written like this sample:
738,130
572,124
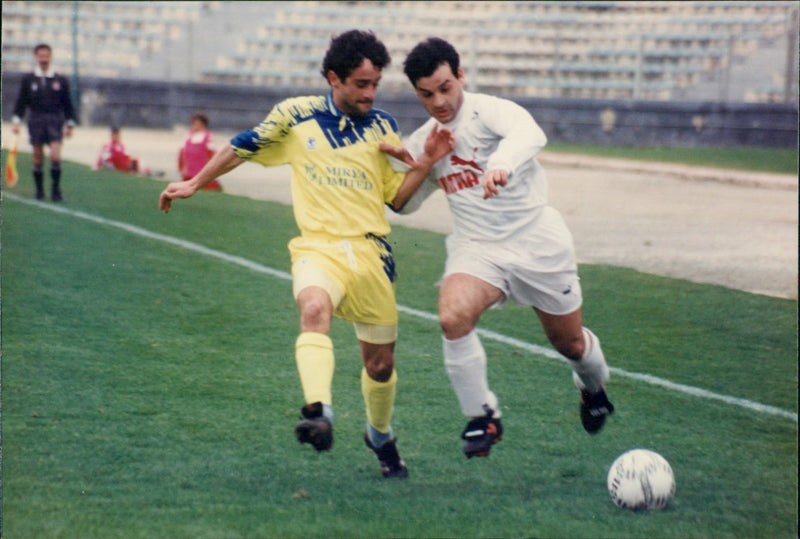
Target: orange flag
11,165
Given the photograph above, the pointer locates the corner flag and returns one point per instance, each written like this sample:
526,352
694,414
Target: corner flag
11,165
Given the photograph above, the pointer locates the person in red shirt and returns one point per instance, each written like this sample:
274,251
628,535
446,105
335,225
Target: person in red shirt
197,151
113,156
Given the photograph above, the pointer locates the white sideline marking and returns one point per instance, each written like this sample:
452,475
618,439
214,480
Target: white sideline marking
191,246
516,343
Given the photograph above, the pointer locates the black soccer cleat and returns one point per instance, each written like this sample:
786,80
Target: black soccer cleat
595,407
315,428
480,434
392,464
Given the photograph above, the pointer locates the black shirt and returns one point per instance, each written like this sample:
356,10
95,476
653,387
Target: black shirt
44,94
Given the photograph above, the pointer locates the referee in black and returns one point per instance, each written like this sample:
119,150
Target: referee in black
45,94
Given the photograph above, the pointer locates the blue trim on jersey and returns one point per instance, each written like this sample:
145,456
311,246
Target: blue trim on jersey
246,140
343,130
339,129
389,267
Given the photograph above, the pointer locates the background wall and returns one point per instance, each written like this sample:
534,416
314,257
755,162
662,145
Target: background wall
618,122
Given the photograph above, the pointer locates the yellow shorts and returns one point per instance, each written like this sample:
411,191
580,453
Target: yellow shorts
358,274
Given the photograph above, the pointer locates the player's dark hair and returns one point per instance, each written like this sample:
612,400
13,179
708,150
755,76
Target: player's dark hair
427,56
348,50
200,116
41,46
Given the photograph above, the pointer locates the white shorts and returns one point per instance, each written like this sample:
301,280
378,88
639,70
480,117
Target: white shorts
534,267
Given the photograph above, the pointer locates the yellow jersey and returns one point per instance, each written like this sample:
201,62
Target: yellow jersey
340,178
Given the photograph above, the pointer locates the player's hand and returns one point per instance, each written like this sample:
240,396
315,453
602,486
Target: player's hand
68,131
175,190
439,143
398,152
492,180
15,129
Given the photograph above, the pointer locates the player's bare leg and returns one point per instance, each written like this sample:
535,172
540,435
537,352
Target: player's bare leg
462,300
315,364
316,309
589,369
565,332
55,151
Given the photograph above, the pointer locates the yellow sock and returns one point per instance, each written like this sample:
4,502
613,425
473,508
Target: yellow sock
379,400
314,356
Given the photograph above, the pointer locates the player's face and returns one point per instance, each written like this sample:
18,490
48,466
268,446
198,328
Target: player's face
43,57
354,95
442,93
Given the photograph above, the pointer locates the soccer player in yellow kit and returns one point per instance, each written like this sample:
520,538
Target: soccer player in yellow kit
342,263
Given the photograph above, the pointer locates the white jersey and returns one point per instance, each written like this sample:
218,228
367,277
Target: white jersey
490,133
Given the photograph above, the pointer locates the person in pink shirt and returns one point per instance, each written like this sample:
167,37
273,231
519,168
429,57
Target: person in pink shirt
197,151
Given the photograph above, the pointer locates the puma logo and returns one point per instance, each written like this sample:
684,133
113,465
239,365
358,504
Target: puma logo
456,160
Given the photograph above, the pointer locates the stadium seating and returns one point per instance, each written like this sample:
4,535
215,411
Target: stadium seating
112,39
599,49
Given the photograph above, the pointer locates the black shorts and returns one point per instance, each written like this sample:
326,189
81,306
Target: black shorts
45,127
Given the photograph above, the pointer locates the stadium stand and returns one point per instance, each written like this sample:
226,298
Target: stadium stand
113,39
647,50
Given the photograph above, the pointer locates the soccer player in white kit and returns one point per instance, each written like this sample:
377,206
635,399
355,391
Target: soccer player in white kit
506,241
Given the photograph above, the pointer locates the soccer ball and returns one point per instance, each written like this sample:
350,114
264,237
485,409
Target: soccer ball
641,479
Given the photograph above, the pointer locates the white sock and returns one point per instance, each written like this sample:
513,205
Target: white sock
378,438
465,361
591,372
327,411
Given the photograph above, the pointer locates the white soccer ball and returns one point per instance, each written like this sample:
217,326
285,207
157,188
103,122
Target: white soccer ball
641,479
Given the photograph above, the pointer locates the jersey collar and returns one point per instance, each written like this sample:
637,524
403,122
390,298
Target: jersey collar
49,73
466,104
332,108
345,121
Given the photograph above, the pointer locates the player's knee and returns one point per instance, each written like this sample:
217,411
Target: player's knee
570,347
314,314
455,324
380,366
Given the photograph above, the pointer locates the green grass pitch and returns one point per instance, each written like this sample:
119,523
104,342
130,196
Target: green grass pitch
150,390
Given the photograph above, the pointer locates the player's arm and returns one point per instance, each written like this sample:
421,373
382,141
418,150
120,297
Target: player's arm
21,105
521,139
439,143
223,162
69,109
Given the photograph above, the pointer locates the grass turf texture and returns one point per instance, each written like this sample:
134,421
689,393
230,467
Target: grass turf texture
150,391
